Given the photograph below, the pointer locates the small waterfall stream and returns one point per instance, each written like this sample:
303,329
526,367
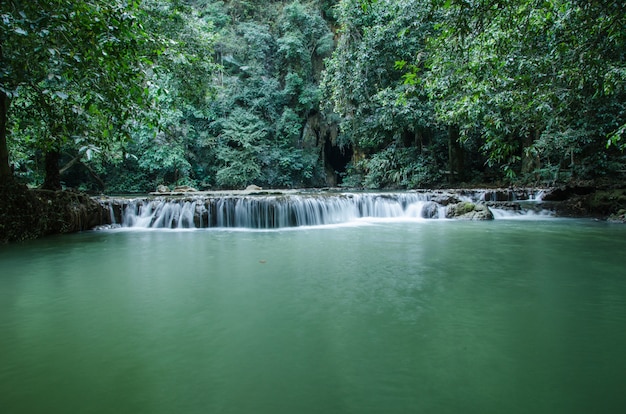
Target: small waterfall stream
270,211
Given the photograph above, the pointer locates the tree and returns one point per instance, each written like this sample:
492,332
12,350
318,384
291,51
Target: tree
266,94
78,64
531,87
169,135
383,116
535,82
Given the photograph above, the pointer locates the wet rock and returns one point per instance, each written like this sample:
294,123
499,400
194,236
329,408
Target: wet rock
469,211
511,206
430,210
619,217
107,227
566,192
602,203
498,195
445,199
184,189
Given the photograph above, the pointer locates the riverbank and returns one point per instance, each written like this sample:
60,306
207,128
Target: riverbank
604,203
32,213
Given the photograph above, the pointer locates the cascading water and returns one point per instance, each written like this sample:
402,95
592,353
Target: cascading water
287,210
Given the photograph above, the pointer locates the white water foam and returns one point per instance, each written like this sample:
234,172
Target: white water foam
504,214
287,211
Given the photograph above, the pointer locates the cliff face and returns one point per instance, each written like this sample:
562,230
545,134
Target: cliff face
28,214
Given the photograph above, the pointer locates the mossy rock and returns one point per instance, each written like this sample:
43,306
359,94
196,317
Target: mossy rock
619,217
469,211
606,202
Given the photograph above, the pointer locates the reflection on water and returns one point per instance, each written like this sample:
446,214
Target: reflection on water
394,317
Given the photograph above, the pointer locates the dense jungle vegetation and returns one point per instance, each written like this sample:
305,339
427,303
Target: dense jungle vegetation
120,96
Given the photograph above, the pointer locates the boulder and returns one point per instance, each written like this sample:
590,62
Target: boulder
430,210
253,187
162,189
469,211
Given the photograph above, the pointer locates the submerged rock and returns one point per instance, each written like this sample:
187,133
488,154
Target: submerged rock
107,227
469,211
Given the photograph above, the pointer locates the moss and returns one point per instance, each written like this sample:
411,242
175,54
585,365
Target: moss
469,211
465,207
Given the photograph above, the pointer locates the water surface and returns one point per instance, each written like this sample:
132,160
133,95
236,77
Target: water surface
378,317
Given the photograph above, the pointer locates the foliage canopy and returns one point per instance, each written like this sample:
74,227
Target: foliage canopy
122,96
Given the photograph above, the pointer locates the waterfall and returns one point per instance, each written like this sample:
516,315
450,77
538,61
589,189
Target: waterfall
112,214
270,211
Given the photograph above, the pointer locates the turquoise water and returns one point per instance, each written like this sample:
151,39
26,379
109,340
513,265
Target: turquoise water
379,317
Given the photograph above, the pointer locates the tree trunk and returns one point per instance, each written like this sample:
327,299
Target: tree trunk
6,175
419,140
53,175
455,154
530,160
94,175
